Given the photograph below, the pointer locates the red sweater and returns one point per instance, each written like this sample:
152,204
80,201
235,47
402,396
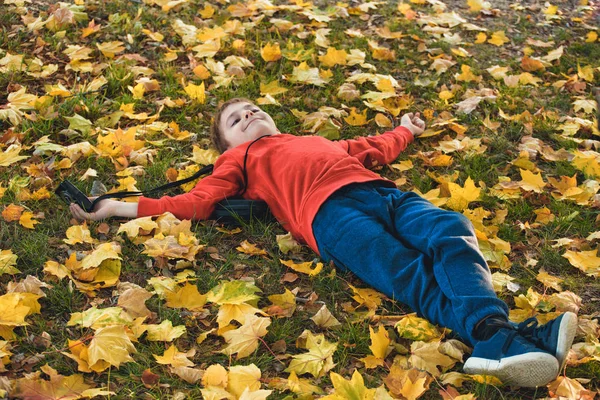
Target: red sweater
294,175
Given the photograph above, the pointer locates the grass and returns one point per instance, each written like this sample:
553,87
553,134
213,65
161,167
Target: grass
221,261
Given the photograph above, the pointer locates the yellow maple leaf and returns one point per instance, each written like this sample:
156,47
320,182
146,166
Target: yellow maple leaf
90,29
416,328
119,142
272,88
409,384
587,261
12,310
467,75
164,332
587,105
187,297
366,297
215,375
79,234
248,248
531,182
110,49
156,36
271,52
244,340
588,162
283,305
498,38
305,267
591,37
350,389
478,5
204,157
333,57
207,11
480,38
26,220
11,155
96,318
166,246
460,197
132,228
18,102
356,119
380,347
112,345
243,377
427,356
174,358
382,121
318,360
196,92
105,251
304,74
8,260
549,280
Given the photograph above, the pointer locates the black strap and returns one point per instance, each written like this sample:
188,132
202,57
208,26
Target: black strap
203,171
119,195
244,172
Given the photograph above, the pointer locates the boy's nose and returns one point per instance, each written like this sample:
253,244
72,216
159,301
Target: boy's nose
248,113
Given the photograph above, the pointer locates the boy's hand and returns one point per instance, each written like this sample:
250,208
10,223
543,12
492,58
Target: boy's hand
104,209
413,123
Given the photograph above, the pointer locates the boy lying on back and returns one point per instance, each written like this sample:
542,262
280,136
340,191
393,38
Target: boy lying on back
397,242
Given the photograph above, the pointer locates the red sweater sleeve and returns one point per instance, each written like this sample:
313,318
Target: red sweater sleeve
225,181
378,150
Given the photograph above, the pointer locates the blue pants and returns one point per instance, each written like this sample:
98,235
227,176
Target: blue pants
412,251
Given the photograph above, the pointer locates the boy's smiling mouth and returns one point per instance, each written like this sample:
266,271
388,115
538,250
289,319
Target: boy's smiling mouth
251,121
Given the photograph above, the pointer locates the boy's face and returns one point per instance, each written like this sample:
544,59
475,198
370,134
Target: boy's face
242,122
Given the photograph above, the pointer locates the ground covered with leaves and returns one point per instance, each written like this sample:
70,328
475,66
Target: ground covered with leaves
118,95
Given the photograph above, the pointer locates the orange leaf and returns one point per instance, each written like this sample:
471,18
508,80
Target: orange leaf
12,212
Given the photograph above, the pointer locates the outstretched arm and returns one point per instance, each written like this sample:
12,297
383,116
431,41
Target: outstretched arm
105,209
383,149
199,203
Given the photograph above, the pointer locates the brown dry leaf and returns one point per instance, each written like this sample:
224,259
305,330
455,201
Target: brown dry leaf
134,302
427,356
324,319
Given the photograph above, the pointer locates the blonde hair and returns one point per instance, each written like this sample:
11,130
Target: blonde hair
216,136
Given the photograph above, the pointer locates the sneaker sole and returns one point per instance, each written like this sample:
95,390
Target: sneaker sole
525,370
567,330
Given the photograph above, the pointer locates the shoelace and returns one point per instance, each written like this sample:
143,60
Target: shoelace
529,327
494,324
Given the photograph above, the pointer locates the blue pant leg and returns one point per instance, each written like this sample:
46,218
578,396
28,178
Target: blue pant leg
448,239
354,230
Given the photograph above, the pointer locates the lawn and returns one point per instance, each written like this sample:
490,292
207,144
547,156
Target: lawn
119,95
